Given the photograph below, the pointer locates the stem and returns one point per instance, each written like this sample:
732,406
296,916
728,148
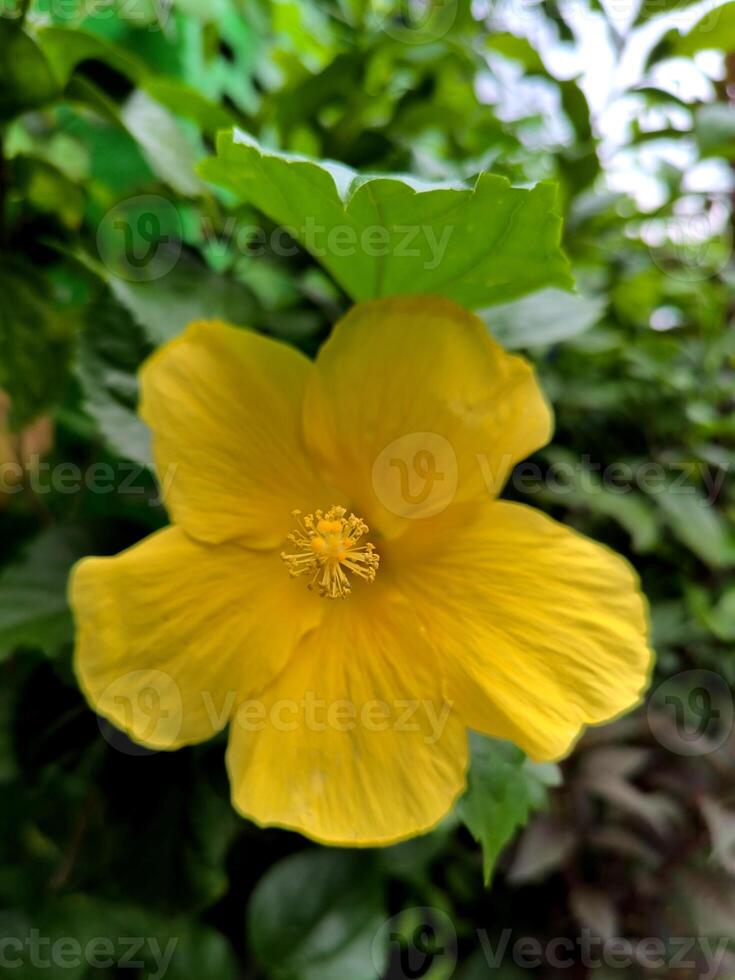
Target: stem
23,9
65,869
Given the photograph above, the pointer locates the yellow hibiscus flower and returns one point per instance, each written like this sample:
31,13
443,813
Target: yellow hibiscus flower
341,584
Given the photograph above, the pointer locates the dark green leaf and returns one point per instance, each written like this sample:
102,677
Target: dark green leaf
66,48
26,79
201,953
653,8
35,342
112,348
33,607
47,190
77,937
166,849
314,917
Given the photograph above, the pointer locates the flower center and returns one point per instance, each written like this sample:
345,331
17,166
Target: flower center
328,548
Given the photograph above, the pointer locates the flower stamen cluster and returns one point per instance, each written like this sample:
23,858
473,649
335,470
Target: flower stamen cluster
329,546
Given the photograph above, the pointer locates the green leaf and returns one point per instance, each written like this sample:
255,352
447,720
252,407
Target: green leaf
503,789
190,291
47,190
314,916
185,101
545,317
714,129
181,840
698,524
85,932
581,487
124,326
721,617
33,608
112,348
35,342
475,967
716,29
66,48
386,235
411,859
658,96
202,953
9,769
575,105
518,49
653,8
26,79
171,152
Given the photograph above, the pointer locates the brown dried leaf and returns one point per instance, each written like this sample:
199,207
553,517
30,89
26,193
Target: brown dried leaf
594,909
721,826
543,847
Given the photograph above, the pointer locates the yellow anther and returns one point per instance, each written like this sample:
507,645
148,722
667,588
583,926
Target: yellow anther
328,548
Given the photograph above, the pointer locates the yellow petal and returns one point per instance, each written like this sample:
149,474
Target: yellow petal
413,407
172,634
540,630
225,409
353,743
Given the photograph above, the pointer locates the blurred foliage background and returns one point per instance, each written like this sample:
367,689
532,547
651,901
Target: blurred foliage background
111,240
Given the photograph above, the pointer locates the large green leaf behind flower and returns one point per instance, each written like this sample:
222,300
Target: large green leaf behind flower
385,235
